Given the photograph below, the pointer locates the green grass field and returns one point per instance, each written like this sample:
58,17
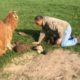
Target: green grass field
27,9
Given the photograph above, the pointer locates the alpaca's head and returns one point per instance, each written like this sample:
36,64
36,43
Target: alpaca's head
11,19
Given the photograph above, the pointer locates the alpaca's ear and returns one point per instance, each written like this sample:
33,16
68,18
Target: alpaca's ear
14,11
11,11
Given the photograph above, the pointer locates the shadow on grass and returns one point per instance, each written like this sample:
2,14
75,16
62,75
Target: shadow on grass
33,33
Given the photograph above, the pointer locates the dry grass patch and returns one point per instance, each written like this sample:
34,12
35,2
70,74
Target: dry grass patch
56,65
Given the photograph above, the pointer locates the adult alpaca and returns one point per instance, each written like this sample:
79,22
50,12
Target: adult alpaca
7,27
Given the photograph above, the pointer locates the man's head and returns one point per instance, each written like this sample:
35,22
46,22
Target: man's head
39,20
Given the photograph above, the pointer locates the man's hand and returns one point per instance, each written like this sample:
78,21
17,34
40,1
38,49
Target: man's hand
59,42
35,43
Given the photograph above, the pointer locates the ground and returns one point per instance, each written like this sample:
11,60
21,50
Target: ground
56,65
27,9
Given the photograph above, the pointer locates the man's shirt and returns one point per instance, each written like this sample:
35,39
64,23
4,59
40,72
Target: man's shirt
52,25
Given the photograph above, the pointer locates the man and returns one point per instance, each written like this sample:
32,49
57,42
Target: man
51,25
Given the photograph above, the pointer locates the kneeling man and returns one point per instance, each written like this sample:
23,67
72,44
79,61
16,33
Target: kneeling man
51,25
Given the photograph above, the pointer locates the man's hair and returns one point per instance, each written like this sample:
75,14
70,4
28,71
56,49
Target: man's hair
37,18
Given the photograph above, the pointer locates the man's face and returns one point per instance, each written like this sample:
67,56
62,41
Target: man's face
39,22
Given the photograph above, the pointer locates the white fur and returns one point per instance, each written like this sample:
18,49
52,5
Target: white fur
39,49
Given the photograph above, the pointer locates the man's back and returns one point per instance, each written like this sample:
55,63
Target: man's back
56,24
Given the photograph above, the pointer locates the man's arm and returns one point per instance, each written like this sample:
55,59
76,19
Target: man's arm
59,41
41,37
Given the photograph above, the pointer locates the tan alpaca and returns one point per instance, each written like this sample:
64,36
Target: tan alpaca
7,27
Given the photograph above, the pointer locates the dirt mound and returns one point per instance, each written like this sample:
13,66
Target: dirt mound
56,65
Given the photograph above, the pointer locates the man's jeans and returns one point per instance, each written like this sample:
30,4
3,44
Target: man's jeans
67,40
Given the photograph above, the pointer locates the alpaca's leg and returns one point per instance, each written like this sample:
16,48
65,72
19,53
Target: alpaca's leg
9,46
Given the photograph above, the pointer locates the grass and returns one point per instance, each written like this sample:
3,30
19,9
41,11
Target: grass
27,9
